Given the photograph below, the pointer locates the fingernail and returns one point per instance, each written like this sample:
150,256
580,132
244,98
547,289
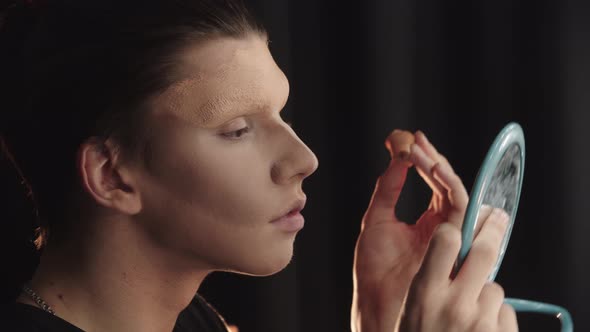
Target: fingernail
505,217
420,132
501,216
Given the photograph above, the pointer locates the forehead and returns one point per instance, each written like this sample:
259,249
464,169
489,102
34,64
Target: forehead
222,74
219,55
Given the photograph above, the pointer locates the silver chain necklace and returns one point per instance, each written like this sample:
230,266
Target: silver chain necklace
40,302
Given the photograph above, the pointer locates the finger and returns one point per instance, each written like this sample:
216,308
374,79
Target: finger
488,307
429,149
507,320
456,195
391,182
398,143
387,190
440,256
483,255
432,152
424,166
491,299
484,212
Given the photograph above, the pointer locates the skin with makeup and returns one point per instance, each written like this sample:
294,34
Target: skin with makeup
222,191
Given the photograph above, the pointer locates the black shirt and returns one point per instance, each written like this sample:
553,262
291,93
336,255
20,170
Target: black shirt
198,316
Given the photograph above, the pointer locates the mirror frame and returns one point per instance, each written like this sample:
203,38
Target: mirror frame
510,135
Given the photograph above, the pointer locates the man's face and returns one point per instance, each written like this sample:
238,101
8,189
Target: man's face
223,164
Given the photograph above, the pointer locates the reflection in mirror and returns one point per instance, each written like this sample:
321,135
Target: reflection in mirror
502,191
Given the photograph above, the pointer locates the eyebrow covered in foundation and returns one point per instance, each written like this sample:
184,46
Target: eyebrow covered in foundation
201,103
217,110
232,87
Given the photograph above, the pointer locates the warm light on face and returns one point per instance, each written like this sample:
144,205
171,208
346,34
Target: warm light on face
226,164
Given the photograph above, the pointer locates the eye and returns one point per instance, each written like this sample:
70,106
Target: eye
236,134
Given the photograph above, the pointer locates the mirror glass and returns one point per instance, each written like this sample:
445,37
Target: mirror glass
502,192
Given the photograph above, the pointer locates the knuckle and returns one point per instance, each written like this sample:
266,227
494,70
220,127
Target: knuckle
435,168
495,289
485,251
455,179
460,199
447,235
459,314
507,311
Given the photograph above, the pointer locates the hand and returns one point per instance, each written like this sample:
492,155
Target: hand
389,252
468,302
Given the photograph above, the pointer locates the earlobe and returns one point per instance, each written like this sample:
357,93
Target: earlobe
105,179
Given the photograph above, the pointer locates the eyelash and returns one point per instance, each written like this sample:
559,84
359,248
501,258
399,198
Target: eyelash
237,134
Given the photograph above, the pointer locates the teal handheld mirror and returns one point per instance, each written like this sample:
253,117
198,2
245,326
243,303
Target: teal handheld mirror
498,185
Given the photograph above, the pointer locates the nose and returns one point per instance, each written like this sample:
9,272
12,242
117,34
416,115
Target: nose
296,160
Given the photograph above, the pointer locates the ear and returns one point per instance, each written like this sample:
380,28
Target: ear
107,180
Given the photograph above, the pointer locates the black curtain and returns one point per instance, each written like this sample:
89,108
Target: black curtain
459,70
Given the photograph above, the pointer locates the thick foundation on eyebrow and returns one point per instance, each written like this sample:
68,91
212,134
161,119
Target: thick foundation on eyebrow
189,99
229,88
182,101
173,96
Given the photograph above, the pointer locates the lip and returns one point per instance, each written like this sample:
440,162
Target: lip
291,220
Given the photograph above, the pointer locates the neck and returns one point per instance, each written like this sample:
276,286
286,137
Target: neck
116,280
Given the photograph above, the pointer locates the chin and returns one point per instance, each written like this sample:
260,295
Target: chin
265,265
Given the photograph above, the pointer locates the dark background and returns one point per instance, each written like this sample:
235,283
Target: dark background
459,70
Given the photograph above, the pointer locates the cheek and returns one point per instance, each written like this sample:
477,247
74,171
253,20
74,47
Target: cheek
228,186
216,204
205,188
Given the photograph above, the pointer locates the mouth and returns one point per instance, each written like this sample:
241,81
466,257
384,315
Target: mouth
296,207
291,219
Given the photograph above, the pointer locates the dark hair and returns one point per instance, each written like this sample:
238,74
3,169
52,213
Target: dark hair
71,70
